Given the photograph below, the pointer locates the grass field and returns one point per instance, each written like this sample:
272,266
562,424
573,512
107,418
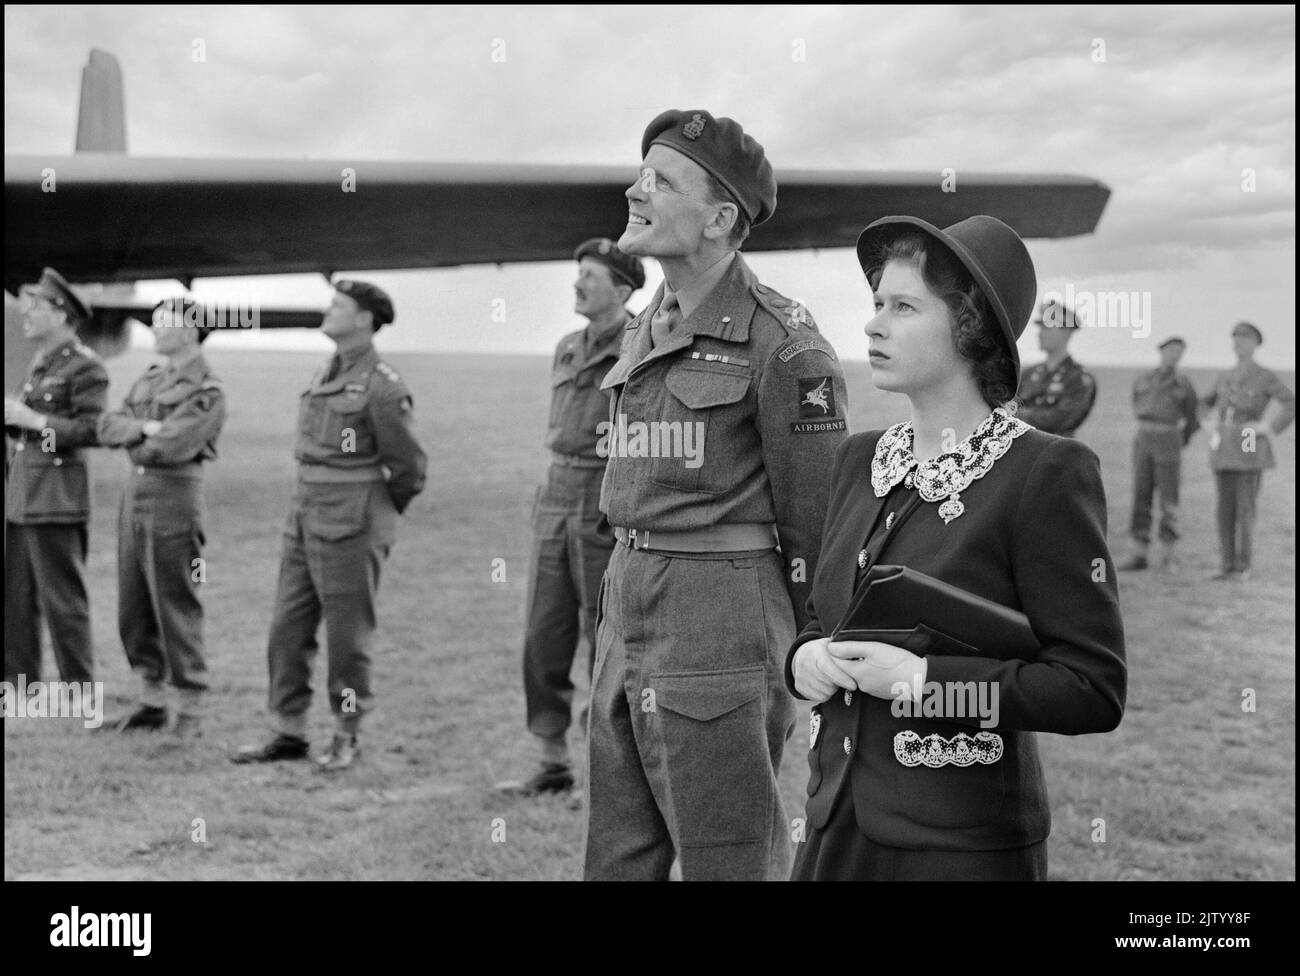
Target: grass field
1189,787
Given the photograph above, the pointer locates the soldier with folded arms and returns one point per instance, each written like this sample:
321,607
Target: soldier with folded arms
168,424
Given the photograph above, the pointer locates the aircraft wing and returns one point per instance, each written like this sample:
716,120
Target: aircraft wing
105,217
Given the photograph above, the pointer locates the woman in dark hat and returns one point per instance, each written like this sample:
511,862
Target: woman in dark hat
1240,451
905,785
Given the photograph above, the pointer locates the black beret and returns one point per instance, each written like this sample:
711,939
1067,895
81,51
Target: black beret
192,312
58,293
1249,330
1057,315
371,298
1173,340
625,267
725,152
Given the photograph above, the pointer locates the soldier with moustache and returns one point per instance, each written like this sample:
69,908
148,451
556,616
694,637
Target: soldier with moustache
168,425
571,542
359,467
727,408
48,425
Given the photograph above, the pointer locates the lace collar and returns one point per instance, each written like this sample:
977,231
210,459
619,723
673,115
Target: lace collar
948,474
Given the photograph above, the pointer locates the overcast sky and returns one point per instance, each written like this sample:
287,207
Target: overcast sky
1169,107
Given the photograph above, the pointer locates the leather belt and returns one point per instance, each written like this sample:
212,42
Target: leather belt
729,537
576,461
324,474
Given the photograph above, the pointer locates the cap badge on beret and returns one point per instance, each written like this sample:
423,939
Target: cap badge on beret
694,128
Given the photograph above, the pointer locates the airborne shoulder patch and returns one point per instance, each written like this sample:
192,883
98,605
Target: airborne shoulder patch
817,411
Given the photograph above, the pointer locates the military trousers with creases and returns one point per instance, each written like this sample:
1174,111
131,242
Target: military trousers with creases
45,568
160,573
335,543
689,718
1238,495
1157,469
569,555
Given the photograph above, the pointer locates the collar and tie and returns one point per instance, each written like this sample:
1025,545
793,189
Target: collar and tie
665,320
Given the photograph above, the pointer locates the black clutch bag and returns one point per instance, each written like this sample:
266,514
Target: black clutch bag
900,606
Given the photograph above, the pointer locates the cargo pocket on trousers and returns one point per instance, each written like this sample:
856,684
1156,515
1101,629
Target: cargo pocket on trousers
334,515
716,752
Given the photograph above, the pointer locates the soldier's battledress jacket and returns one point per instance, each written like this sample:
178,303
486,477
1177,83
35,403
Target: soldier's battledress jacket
70,387
190,404
1059,400
359,419
748,371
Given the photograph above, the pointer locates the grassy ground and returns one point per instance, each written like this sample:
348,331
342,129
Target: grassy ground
1189,787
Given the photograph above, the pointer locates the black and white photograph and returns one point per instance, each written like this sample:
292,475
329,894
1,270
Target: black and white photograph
650,443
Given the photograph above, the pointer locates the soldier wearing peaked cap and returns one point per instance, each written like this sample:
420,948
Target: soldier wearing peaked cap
47,492
1240,449
1057,395
571,542
359,466
168,424
727,407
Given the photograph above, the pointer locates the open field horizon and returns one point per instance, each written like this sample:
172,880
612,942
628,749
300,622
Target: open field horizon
1190,786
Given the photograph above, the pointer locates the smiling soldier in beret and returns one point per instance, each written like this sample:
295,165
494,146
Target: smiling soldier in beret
47,487
727,407
359,466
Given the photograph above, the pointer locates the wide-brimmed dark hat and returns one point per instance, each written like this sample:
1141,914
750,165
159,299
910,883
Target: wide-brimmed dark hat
991,251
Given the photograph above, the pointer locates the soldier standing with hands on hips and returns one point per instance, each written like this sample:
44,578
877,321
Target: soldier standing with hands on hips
727,408
47,487
571,544
359,466
169,425
1057,395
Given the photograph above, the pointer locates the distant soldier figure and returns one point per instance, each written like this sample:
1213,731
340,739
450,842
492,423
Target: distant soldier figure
1240,451
47,487
571,545
1057,395
1166,406
169,425
359,466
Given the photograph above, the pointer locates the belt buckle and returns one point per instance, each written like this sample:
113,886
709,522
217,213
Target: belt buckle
632,537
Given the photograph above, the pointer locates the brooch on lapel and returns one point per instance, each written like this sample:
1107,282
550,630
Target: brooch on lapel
952,508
